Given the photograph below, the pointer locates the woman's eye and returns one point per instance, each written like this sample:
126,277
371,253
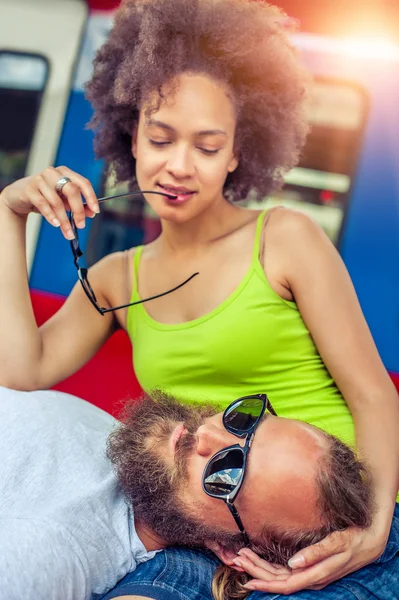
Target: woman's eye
209,152
158,144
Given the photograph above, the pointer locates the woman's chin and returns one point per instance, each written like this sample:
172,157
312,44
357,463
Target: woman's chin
175,214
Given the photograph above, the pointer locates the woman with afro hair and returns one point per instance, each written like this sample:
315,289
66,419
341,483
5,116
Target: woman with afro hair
203,103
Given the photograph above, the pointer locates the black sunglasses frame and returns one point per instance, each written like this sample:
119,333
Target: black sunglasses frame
249,433
82,271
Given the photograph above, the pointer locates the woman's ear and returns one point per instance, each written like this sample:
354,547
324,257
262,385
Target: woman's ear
134,140
224,554
233,164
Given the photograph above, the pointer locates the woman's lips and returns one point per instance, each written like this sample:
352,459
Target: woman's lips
180,196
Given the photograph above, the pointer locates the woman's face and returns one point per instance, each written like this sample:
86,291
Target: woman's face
186,147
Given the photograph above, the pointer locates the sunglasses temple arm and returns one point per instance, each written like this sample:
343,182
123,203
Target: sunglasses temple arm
270,408
126,194
238,521
151,297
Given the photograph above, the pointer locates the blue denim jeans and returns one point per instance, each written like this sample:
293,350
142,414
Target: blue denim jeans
180,574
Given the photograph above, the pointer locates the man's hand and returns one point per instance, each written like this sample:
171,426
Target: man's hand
317,566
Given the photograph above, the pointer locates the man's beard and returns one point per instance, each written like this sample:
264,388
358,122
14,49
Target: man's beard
152,486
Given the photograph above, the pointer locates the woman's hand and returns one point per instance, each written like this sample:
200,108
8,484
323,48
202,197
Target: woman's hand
38,193
263,571
315,567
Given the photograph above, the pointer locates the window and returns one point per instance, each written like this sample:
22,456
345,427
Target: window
23,79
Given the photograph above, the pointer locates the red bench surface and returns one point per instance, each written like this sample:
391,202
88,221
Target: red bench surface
108,378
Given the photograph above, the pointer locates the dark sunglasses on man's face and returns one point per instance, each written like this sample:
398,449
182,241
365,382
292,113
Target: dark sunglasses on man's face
82,272
224,474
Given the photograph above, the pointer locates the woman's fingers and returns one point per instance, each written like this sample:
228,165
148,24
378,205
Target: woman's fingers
71,194
315,577
273,568
69,198
41,205
262,570
238,569
38,193
334,543
85,188
89,213
54,203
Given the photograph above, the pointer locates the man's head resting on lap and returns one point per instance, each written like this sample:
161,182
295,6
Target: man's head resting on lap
300,483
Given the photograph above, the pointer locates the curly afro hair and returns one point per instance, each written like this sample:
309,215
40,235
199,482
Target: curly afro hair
243,43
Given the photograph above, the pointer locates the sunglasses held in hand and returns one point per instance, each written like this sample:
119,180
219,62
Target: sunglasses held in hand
82,271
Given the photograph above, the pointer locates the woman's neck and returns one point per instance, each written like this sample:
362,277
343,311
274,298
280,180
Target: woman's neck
214,223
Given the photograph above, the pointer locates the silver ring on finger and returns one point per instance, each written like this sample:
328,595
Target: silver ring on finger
61,182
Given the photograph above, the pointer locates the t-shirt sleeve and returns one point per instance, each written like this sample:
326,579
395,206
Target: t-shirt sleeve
39,560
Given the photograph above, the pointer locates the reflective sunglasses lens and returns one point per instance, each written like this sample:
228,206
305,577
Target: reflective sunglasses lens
243,415
224,472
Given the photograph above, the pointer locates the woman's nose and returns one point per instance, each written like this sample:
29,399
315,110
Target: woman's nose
211,439
180,163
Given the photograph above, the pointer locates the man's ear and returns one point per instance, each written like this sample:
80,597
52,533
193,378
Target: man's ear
224,554
134,140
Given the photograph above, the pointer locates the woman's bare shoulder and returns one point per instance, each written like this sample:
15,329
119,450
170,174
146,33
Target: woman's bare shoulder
287,238
113,277
289,220
113,263
287,229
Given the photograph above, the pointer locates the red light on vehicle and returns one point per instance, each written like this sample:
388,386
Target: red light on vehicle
103,4
326,196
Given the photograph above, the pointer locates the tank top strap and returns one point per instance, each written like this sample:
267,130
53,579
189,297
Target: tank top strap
258,235
136,264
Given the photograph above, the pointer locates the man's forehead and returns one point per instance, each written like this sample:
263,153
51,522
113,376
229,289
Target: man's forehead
281,428
284,449
280,485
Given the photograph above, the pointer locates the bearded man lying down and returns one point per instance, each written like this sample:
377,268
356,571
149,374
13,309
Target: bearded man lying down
86,500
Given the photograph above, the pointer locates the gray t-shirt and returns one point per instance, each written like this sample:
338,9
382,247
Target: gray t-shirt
66,531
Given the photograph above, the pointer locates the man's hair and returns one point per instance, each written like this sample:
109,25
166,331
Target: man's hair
242,43
345,500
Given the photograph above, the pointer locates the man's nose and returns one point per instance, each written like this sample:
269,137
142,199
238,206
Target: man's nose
211,439
180,163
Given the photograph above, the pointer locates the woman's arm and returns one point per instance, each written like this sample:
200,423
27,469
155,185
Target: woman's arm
329,307
312,270
33,358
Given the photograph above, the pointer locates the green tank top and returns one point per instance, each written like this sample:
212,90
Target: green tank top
253,342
